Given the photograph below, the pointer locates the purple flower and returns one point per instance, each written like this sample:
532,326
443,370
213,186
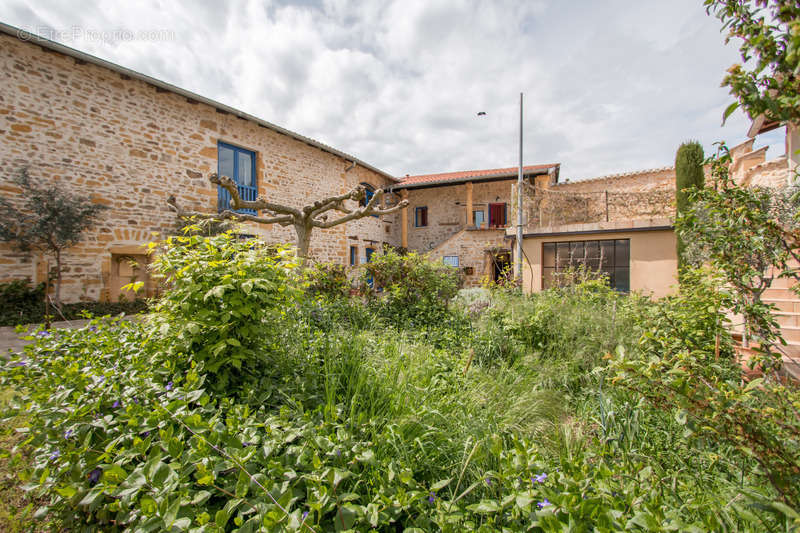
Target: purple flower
19,363
544,503
338,453
43,333
305,515
145,434
540,478
94,476
93,329
136,400
169,386
68,433
55,455
116,404
488,482
432,497
101,380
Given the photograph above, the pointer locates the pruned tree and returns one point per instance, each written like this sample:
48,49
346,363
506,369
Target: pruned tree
50,220
304,219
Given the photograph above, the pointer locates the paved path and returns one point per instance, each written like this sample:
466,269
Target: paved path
10,340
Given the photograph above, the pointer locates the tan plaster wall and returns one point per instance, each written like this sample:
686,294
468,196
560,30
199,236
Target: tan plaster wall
131,145
653,260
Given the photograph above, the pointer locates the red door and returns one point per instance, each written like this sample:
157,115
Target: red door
497,215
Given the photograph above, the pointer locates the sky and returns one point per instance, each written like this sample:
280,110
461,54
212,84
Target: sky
609,87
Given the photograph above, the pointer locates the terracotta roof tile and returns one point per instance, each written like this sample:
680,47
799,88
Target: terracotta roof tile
466,175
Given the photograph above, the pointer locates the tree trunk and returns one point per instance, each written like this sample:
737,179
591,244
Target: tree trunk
58,279
303,241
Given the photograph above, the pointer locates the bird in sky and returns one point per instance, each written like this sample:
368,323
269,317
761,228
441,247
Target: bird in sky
481,113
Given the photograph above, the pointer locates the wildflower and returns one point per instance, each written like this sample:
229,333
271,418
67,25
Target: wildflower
145,434
544,503
540,478
68,433
338,453
432,497
116,404
305,515
43,333
55,455
93,329
19,363
101,380
488,482
169,386
94,476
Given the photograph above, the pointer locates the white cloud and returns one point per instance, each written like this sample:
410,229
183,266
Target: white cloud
608,87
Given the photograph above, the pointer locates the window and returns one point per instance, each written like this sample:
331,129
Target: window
451,260
368,254
240,165
478,218
353,255
370,192
420,217
611,257
497,215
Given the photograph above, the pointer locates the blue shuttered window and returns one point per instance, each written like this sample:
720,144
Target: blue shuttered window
239,164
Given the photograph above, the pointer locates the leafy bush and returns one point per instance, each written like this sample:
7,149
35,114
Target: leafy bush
21,302
327,279
414,288
24,304
229,308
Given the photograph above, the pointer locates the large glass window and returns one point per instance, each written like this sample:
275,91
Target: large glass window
240,165
610,257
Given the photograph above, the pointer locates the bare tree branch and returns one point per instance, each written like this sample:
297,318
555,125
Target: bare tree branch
304,220
258,205
283,220
361,212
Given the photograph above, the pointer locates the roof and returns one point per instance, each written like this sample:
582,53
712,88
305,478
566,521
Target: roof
26,36
491,174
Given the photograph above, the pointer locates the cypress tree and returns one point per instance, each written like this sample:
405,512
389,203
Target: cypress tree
688,175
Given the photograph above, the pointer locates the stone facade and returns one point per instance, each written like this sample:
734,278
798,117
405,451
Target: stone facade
477,251
130,145
634,195
447,210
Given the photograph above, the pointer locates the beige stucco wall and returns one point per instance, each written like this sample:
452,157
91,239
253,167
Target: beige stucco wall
130,145
653,259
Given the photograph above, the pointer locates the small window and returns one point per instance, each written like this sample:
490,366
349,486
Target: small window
451,260
478,218
353,255
369,193
420,217
240,165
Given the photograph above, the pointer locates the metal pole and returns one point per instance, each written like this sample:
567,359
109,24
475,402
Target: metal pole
518,262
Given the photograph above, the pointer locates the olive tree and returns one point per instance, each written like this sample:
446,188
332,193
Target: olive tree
49,219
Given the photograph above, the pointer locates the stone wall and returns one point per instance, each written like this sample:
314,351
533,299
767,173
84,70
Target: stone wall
637,195
447,211
473,247
130,145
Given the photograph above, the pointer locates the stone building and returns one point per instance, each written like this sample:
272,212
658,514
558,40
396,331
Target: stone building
462,217
130,141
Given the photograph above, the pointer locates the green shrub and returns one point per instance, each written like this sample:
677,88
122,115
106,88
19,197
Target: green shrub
229,307
23,304
414,289
327,279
